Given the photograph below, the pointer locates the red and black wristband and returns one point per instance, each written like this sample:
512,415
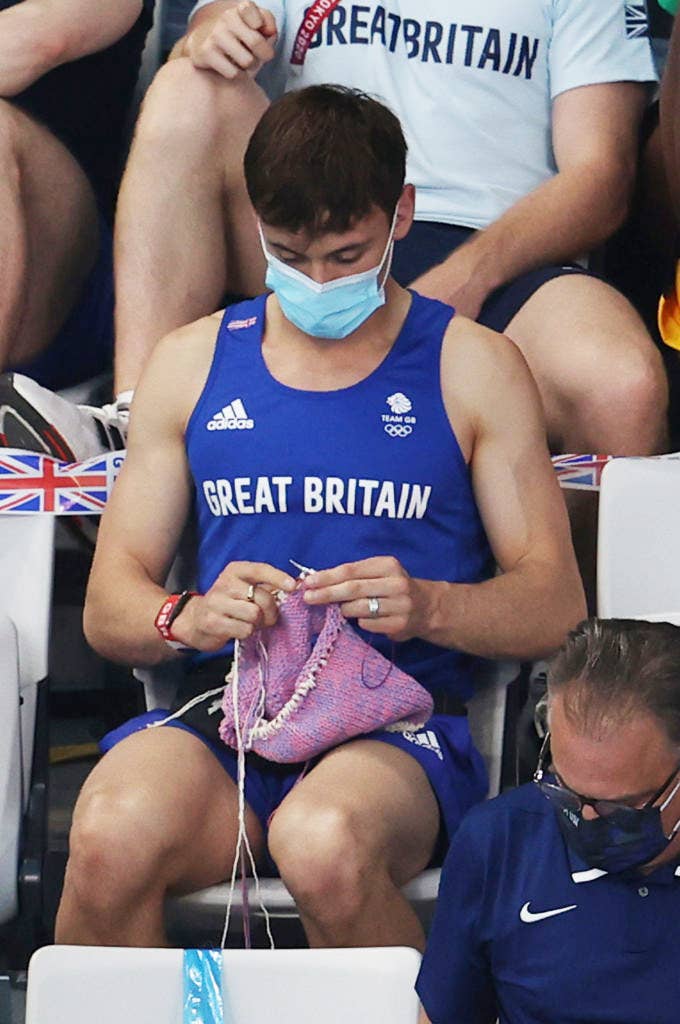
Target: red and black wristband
168,612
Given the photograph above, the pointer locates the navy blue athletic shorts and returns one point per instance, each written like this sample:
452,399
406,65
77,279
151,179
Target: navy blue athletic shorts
443,748
83,348
429,243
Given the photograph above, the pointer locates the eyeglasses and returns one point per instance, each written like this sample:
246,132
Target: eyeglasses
568,800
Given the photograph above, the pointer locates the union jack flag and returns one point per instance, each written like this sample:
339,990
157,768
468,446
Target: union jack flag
636,20
581,472
38,483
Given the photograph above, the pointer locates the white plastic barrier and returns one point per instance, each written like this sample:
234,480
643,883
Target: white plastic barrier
79,984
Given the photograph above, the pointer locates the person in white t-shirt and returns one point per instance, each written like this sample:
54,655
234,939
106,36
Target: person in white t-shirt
521,118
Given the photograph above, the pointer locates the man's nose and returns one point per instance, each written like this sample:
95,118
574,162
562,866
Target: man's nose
321,272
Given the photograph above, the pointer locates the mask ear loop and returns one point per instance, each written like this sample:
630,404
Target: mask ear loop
388,254
674,831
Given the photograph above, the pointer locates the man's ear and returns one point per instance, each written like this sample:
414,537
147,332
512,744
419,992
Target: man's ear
405,211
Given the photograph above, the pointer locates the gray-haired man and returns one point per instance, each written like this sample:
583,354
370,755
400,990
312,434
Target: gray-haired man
568,908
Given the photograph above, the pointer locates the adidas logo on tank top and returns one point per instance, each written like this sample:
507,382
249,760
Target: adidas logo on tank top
231,417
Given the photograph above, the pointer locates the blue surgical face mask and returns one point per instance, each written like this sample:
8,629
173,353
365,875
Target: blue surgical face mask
336,308
621,841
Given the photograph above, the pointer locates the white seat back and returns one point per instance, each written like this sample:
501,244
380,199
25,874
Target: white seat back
486,715
638,564
10,770
26,566
77,985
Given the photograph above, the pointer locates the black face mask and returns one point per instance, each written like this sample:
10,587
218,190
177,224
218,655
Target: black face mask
620,838
621,841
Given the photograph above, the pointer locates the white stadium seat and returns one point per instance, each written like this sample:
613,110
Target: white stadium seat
638,565
10,770
26,560
79,984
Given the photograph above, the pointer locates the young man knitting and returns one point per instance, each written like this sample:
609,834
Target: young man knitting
358,429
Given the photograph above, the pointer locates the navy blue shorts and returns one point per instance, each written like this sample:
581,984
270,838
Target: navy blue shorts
83,348
443,748
429,243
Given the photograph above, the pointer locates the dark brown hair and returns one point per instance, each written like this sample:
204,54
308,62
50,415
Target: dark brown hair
611,669
323,157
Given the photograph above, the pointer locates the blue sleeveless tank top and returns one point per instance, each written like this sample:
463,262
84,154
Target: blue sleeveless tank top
327,477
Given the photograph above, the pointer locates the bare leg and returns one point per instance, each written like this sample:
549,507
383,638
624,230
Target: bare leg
185,231
158,814
48,235
601,380
356,829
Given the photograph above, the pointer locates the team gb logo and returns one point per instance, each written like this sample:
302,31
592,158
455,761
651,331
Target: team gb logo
399,403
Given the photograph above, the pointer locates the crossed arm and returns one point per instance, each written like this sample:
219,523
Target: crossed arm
595,140
39,35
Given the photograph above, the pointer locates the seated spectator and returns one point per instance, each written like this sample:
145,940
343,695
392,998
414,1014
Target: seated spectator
67,74
522,125
307,377
566,908
669,308
639,258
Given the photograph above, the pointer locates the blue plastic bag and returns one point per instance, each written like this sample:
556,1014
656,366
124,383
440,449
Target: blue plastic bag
203,999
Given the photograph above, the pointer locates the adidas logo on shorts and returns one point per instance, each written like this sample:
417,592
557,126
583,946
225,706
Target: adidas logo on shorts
231,417
426,739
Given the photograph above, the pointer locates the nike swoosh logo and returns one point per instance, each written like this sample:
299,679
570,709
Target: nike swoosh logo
529,918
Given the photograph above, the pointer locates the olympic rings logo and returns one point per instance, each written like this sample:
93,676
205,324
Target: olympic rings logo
398,429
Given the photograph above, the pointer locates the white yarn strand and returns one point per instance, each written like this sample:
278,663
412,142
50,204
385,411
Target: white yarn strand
242,836
187,707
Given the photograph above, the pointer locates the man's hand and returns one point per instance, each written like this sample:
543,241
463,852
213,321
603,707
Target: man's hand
404,603
227,611
242,39
457,281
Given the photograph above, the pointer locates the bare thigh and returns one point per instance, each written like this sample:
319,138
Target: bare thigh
48,225
163,793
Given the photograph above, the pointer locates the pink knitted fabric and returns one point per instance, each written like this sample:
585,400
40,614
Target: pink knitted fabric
310,682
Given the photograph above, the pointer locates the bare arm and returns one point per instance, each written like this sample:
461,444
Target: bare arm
525,611
38,35
144,519
595,139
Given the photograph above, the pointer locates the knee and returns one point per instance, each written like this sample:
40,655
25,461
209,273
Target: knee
111,853
622,398
186,110
9,144
324,861
637,390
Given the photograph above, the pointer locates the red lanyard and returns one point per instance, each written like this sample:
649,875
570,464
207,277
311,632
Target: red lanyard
313,19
